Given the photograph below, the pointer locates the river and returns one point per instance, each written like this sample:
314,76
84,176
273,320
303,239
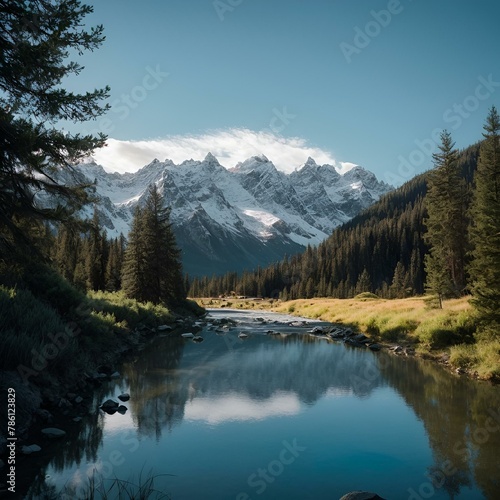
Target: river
286,416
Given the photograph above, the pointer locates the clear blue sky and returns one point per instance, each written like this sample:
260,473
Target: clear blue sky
295,67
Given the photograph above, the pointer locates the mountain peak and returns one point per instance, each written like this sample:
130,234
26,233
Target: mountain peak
310,162
262,158
211,158
259,162
359,172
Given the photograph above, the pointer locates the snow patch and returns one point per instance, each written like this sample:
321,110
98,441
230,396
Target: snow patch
263,217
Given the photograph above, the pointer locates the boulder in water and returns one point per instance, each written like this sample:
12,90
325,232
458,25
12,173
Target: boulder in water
361,495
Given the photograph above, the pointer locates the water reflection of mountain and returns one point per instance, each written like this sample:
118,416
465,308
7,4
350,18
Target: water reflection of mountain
459,417
268,376
263,373
225,378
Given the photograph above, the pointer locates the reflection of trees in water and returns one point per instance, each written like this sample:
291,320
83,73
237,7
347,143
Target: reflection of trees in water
172,371
455,413
161,382
80,444
84,439
271,365
446,476
157,401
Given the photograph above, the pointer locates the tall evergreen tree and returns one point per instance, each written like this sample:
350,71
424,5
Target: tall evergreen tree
446,223
96,256
66,252
485,232
399,281
114,265
134,260
35,41
165,280
364,282
152,270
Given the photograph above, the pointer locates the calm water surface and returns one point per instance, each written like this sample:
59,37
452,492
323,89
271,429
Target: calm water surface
285,417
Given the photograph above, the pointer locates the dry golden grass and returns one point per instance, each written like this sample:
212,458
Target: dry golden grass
379,317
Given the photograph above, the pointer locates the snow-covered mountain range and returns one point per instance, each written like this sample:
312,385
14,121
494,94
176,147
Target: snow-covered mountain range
235,219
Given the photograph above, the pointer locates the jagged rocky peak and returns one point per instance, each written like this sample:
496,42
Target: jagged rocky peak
310,170
210,158
258,163
211,163
359,174
310,163
91,167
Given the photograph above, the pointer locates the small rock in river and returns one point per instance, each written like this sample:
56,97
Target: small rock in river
109,404
122,409
32,448
361,495
163,328
52,432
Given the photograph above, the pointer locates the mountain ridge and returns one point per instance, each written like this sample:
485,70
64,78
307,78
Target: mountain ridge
237,218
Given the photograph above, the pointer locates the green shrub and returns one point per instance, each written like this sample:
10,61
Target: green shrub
127,311
463,356
50,287
482,357
447,331
26,326
390,334
437,334
367,296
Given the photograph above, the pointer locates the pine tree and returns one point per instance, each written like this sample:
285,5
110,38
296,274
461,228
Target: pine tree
152,270
446,223
485,232
36,39
113,267
134,260
66,253
96,257
399,281
364,282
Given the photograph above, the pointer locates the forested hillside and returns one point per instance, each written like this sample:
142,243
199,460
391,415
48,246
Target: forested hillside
381,250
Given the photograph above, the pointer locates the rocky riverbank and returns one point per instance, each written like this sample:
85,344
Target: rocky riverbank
48,406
